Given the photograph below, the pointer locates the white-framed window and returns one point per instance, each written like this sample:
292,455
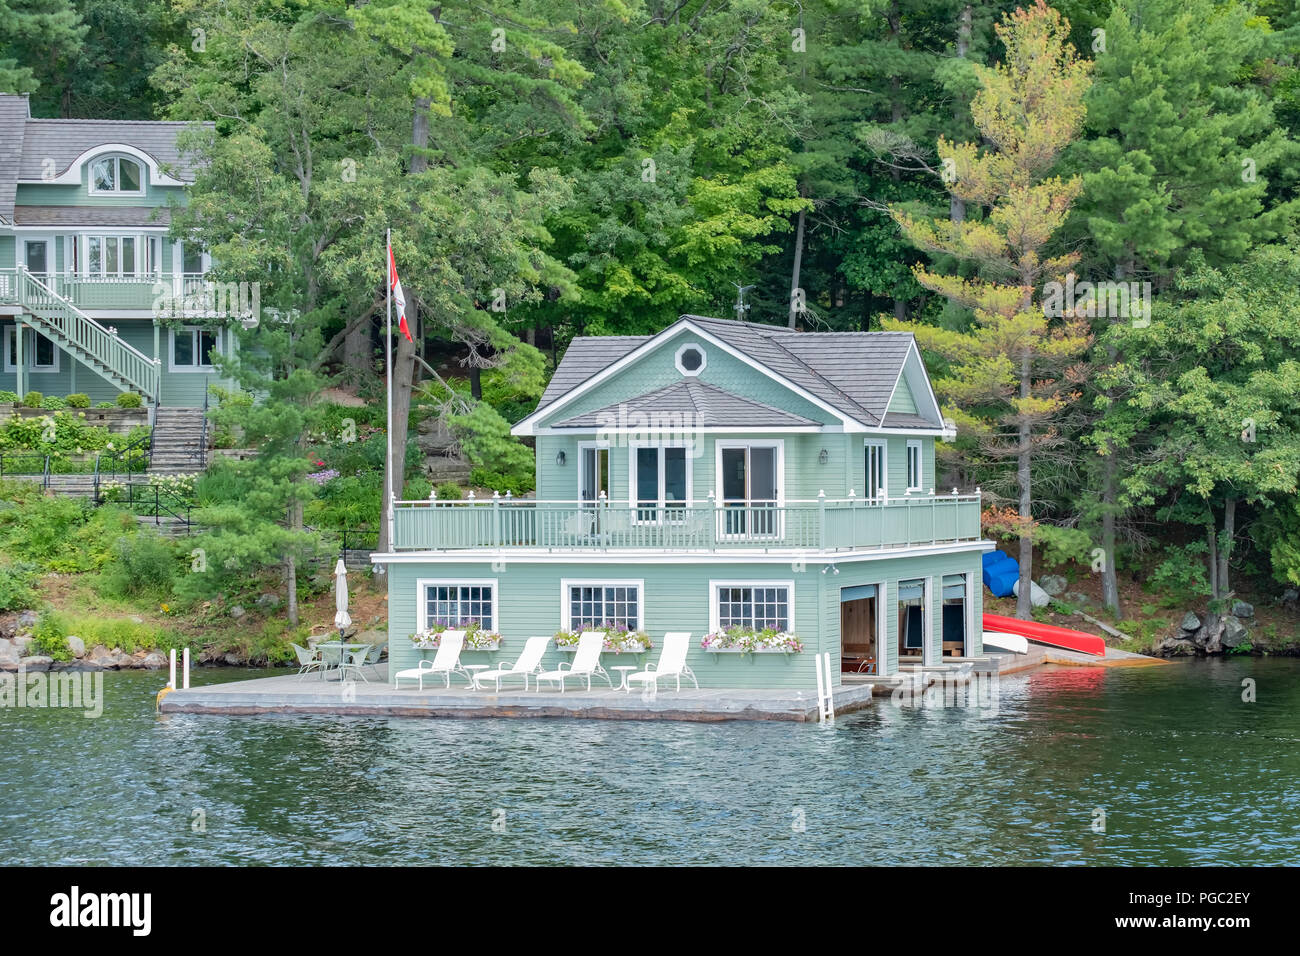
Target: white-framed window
191,348
877,454
42,354
756,604
914,470
586,604
456,602
660,485
914,619
116,174
121,255
690,359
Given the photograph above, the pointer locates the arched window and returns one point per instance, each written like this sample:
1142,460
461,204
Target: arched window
116,174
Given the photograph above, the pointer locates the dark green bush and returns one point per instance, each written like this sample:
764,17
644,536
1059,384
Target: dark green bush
142,564
17,587
50,637
449,491
33,399
129,400
78,400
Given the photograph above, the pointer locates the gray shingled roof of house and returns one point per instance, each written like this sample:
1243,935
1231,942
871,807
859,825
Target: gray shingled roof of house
92,215
13,121
706,405
852,372
26,144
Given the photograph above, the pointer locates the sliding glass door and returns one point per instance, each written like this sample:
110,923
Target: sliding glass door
750,484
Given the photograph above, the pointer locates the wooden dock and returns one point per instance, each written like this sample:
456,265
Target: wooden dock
311,695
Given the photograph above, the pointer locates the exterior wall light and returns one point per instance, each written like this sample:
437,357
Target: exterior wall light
559,458
824,457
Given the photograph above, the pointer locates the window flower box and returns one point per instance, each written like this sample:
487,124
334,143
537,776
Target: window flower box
618,640
746,640
477,637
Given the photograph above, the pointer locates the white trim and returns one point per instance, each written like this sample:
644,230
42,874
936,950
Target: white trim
578,430
566,583
117,179
777,443
883,445
609,477
29,348
925,375
810,556
920,466
72,175
422,604
199,368
927,589
716,583
20,251
633,500
704,359
526,426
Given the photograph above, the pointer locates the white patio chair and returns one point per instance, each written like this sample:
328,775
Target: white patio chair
672,663
586,663
445,663
529,662
308,660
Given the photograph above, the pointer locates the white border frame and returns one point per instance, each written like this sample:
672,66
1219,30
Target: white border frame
704,359
716,583
117,155
421,605
29,347
582,450
633,501
882,623
920,466
720,502
968,610
72,175
566,583
209,369
20,251
883,445
927,620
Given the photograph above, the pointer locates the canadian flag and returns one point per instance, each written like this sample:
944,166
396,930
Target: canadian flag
395,284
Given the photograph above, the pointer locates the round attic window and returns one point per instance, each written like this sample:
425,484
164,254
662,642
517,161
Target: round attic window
690,359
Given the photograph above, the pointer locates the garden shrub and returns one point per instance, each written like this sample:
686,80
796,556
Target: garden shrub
449,491
106,404
54,403
33,399
50,637
8,397
78,400
501,462
143,564
129,400
17,587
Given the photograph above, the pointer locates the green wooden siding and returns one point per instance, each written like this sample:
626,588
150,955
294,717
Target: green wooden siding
677,598
903,402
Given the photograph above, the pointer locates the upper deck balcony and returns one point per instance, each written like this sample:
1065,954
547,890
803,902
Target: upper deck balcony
159,293
847,524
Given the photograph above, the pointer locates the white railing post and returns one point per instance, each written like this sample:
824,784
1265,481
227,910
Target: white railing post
186,674
171,669
825,691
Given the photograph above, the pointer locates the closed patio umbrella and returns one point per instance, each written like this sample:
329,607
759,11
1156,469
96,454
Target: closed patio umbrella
342,620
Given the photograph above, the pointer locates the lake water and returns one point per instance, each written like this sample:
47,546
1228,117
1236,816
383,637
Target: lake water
1184,771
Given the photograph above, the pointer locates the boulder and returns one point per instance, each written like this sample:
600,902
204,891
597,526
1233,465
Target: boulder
1053,584
268,600
21,641
237,611
1176,647
1291,597
119,658
77,646
1234,632
1191,623
77,665
1242,609
433,437
234,660
37,662
440,468
153,661
1037,596
9,656
101,655
1076,598
25,622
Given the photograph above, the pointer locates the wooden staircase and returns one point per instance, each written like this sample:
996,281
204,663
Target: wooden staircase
79,335
179,441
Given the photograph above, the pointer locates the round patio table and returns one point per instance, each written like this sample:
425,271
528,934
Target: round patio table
346,649
623,670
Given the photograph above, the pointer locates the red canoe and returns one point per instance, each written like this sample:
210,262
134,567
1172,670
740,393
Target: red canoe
1047,634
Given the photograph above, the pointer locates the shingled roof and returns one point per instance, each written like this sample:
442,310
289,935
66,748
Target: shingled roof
92,216
707,405
26,144
854,373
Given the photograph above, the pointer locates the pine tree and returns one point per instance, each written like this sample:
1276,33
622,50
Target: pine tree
1005,374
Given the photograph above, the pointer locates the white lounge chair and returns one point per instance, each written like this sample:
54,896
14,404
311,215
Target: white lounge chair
672,663
529,662
445,663
586,663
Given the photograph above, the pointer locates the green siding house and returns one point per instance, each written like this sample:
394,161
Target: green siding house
719,474
94,296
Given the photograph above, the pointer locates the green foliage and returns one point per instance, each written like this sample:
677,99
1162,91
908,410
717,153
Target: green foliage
1180,578
1059,545
7,397
54,403
141,565
124,634
33,399
501,462
106,404
129,400
17,587
58,534
50,638
449,491
78,400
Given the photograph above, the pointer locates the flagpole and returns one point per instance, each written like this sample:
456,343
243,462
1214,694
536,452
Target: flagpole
388,359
